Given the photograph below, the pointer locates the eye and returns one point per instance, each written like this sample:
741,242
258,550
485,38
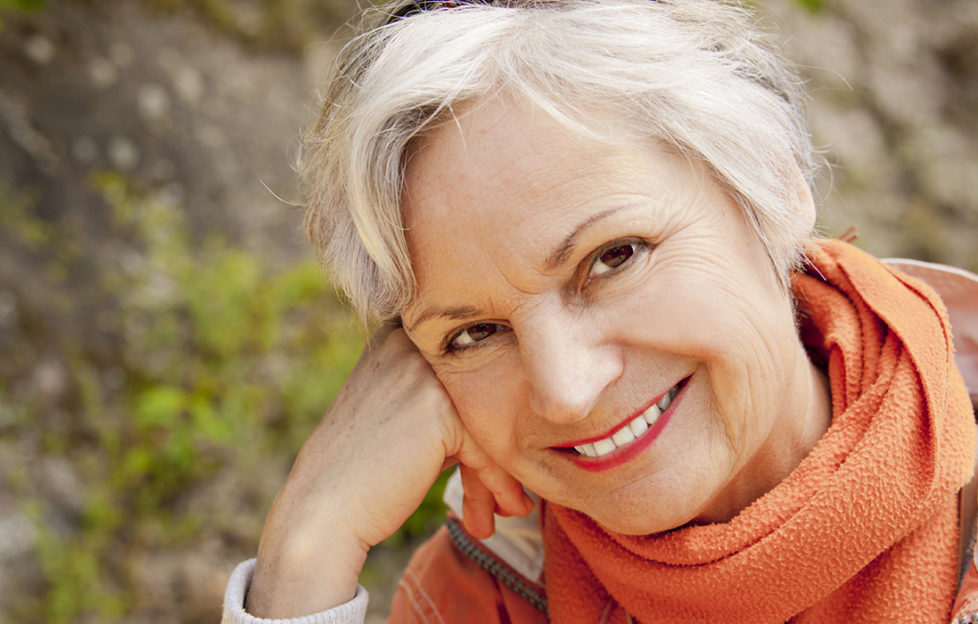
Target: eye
473,334
613,256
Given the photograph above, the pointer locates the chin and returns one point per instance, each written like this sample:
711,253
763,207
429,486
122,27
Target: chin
643,525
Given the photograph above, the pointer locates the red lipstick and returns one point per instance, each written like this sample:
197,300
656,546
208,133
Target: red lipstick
629,451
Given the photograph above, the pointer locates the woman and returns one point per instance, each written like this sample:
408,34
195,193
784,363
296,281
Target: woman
588,223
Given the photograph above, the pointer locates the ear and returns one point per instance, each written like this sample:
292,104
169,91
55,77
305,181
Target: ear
802,200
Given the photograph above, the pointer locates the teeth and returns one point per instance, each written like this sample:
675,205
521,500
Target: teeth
652,414
664,402
633,430
623,436
603,447
638,426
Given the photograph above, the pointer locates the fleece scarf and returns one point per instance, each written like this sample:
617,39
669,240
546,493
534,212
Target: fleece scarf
865,529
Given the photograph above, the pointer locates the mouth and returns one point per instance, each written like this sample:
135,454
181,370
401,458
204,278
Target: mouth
629,437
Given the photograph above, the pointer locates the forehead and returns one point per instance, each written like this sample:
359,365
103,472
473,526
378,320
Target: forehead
503,174
504,146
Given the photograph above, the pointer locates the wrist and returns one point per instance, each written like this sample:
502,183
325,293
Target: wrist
299,573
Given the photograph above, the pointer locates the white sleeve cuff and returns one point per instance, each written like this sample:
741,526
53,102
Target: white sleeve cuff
353,612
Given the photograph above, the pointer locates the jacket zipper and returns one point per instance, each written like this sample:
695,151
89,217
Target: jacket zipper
495,568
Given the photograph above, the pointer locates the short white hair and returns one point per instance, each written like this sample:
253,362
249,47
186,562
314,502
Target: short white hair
698,75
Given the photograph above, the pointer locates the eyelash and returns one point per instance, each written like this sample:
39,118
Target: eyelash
639,246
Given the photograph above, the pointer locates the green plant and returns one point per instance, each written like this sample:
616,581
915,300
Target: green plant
222,365
813,6
22,5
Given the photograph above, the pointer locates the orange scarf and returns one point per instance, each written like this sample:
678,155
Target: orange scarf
865,529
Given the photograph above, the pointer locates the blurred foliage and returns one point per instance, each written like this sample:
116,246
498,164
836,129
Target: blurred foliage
18,5
221,368
813,6
24,5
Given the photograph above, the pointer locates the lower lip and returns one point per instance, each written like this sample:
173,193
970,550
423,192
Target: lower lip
623,455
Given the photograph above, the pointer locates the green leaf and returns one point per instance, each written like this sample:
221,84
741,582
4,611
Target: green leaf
159,406
209,423
21,5
813,6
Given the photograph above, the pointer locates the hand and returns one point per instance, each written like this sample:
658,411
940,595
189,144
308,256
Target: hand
365,468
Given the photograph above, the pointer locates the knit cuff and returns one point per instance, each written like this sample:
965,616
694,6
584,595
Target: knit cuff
353,612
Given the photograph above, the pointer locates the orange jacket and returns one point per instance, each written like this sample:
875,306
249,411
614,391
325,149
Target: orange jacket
441,584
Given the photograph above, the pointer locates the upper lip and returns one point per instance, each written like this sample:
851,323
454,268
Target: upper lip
624,422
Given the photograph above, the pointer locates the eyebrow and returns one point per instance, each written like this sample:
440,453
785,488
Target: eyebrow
454,313
557,257
566,246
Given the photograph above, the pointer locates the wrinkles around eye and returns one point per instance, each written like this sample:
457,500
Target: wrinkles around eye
604,265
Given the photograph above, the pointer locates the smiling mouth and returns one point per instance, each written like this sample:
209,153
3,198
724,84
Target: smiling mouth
643,427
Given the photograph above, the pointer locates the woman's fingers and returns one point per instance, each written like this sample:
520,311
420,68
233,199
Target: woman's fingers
488,490
478,505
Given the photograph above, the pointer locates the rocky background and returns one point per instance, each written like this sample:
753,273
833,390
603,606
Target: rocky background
895,108
165,340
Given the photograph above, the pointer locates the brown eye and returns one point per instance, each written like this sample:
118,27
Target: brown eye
474,333
481,331
612,258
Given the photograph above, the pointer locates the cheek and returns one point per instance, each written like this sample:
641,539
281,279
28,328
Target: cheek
488,404
751,369
724,315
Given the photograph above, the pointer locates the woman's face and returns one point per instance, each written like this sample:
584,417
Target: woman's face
568,286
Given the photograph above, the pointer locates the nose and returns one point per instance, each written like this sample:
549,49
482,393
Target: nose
567,363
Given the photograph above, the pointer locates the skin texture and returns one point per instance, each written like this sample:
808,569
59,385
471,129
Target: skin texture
572,351
564,284
364,470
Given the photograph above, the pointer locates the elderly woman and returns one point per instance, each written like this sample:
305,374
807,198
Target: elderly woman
588,224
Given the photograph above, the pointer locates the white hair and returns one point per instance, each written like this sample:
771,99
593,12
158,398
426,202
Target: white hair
698,75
